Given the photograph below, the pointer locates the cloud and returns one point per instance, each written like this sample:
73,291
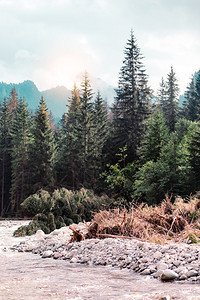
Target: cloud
50,41
174,50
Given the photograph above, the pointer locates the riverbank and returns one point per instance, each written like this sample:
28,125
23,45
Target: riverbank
168,262
26,276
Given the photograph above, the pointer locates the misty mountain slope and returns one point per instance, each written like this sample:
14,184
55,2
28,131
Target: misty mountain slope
26,90
56,98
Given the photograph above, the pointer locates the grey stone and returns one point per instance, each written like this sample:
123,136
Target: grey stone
47,254
146,272
192,273
162,266
73,260
157,274
57,255
183,277
168,275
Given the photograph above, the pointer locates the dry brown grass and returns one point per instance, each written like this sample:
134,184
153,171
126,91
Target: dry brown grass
161,224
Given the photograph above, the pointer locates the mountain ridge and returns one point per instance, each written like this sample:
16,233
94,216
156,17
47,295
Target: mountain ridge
56,97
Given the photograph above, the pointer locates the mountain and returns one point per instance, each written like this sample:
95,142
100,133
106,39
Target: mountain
56,98
26,90
107,91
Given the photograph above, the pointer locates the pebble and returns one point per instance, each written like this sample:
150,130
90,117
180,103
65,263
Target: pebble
168,262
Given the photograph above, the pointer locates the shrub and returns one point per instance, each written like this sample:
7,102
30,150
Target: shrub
62,208
40,202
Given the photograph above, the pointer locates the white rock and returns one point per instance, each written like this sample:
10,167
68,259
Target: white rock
192,273
168,275
47,254
146,272
157,254
39,235
162,266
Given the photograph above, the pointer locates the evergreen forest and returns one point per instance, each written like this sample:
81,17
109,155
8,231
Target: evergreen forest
145,146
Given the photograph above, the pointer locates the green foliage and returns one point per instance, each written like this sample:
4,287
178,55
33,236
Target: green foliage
5,157
169,174
62,208
193,239
169,99
20,133
191,109
41,151
156,136
31,228
194,157
119,177
131,106
151,182
40,202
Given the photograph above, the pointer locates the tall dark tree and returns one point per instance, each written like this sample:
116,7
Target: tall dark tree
41,151
162,96
132,101
170,107
19,141
13,100
194,158
68,162
5,158
86,130
101,132
156,137
191,109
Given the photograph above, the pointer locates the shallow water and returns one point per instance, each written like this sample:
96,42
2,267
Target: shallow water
28,276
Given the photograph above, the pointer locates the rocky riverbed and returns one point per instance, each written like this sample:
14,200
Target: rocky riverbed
168,262
94,269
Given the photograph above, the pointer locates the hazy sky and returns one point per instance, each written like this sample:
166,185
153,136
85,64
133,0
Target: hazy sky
52,41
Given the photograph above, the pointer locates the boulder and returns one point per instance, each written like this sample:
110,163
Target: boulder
168,275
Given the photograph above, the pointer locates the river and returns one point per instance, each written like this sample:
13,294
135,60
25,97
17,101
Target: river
27,276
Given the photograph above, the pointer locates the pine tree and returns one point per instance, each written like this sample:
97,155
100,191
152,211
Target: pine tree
194,157
86,130
197,85
101,132
5,157
19,141
170,109
162,96
190,105
13,100
191,109
41,150
132,101
156,136
68,156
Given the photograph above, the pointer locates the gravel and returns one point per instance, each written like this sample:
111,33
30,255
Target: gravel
168,262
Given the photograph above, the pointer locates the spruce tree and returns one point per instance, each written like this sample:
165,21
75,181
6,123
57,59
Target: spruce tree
101,132
170,109
156,137
162,95
41,150
13,100
191,109
5,158
194,158
19,141
86,130
68,161
132,102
